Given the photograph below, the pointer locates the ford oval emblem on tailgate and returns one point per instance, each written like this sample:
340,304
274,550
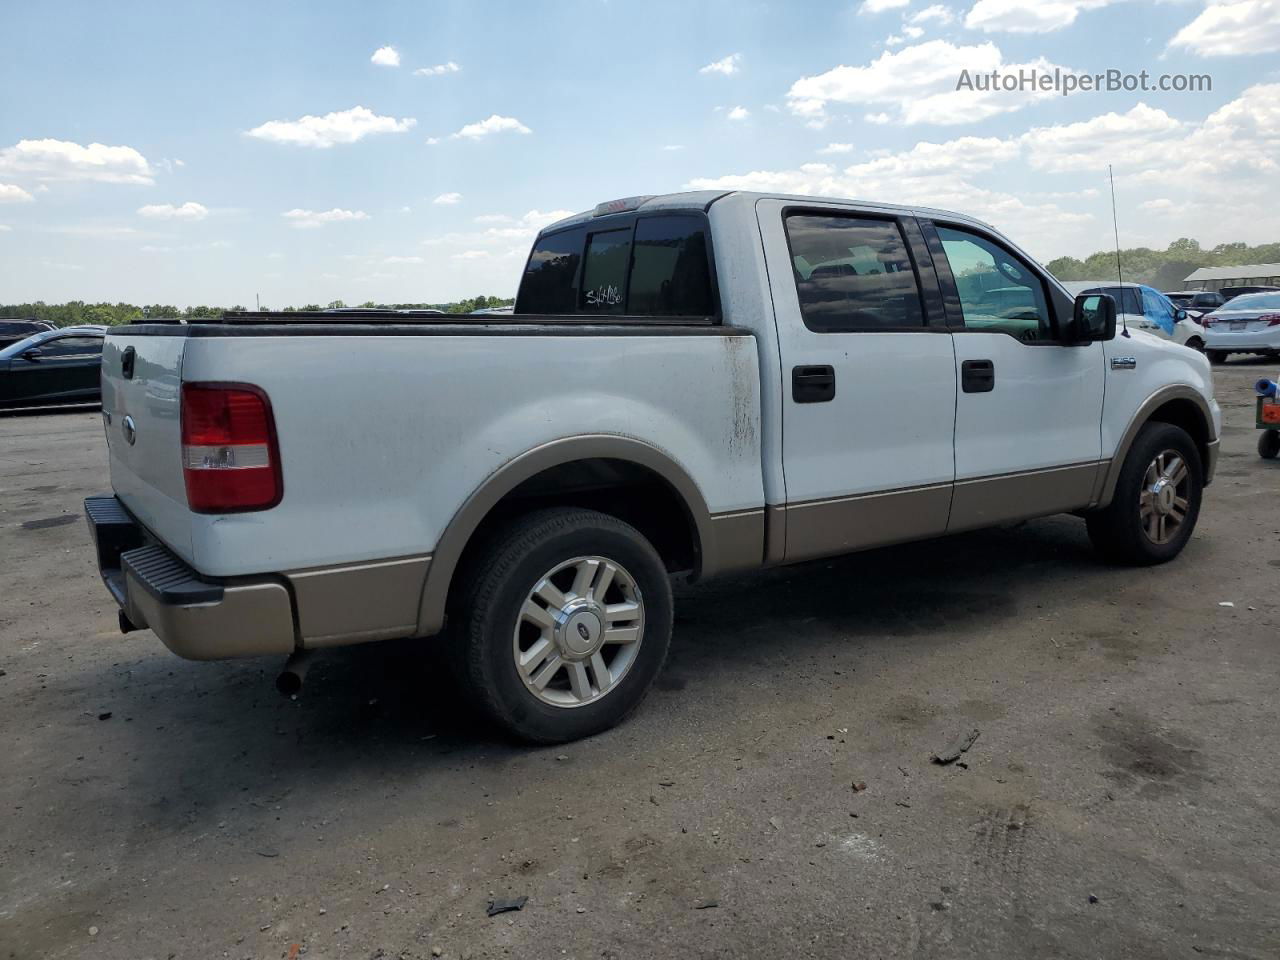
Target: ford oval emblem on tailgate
130,430
126,363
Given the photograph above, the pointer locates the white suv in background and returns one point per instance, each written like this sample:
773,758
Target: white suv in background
1129,312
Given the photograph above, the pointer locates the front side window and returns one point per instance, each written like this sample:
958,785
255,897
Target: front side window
549,280
71,347
604,272
999,293
853,273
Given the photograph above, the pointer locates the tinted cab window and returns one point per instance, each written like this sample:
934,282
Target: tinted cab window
655,266
852,273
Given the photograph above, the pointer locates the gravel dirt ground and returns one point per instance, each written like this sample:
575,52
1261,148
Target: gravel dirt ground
1120,801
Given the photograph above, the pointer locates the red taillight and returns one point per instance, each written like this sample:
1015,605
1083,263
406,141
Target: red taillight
230,458
1208,320
1271,319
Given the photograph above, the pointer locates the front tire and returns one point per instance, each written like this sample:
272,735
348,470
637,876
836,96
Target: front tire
1156,502
1196,344
563,624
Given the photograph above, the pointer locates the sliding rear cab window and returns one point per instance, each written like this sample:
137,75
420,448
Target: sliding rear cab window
656,266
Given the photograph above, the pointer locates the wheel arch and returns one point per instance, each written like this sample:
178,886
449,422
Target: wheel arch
1180,405
521,477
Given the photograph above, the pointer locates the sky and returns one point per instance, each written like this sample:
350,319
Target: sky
303,152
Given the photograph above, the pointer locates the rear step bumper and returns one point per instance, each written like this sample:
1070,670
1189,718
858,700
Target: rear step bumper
195,618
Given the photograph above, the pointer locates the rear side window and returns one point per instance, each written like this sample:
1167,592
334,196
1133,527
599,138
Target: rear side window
670,275
604,272
853,273
550,279
651,267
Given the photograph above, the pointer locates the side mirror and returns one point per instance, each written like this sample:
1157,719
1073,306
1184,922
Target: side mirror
1093,318
1179,315
32,355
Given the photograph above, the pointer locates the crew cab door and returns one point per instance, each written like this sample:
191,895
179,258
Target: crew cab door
1029,408
869,378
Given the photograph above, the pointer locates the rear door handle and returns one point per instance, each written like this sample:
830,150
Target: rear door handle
813,384
977,376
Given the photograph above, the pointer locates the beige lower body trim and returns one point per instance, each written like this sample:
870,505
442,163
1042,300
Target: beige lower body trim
250,620
1211,461
984,501
737,542
821,528
359,602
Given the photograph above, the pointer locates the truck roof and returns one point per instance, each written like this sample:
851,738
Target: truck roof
702,200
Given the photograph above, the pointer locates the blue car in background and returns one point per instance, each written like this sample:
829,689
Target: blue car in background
1140,307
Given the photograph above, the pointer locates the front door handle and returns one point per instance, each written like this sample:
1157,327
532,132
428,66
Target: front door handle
977,376
813,384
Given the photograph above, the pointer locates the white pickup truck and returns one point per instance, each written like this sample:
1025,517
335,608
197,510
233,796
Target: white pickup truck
699,383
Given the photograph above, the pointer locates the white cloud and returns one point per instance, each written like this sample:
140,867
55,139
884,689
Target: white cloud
937,12
1137,138
448,199
727,66
831,148
167,211
386,57
879,6
1231,28
1027,16
431,141
493,124
312,219
894,40
5,228
64,160
920,83
494,218
12,193
672,147
471,255
879,119
739,113
437,70
343,126
403,260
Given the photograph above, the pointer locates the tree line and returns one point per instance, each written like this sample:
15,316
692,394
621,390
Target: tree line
1163,269
76,312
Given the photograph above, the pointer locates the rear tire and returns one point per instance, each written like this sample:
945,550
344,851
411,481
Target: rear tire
1216,356
563,622
1157,499
1269,444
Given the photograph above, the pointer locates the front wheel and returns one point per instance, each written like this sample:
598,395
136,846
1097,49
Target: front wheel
562,624
1196,344
1157,499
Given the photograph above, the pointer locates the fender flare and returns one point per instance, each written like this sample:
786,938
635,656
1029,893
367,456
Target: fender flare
1143,415
458,533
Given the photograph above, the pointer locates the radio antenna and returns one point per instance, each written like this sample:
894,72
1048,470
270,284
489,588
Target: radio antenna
1115,223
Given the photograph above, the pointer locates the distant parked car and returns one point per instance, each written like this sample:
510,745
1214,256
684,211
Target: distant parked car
11,331
1230,293
1197,302
1245,324
52,367
1134,313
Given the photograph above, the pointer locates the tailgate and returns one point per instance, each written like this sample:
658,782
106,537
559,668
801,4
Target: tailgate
140,390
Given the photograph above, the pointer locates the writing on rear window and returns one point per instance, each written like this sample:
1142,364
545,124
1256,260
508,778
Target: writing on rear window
656,266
